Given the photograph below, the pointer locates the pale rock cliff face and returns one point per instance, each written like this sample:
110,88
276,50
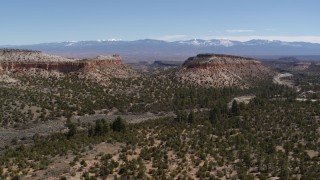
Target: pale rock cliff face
218,70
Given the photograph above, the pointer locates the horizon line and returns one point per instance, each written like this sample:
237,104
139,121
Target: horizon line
238,39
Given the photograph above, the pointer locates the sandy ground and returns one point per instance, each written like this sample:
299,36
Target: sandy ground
240,99
312,153
278,79
60,165
43,128
7,79
130,118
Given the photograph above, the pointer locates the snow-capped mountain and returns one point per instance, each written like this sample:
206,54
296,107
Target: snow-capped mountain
150,49
213,42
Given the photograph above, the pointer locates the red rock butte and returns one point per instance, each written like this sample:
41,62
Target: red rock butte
16,60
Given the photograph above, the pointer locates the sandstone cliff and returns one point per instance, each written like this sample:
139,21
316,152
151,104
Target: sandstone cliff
26,62
220,70
103,68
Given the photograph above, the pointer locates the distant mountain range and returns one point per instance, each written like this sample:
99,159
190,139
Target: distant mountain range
151,50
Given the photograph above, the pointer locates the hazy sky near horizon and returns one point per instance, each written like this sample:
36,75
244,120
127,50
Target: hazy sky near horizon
40,21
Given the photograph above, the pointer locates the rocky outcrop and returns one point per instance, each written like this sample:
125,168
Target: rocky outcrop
19,55
102,62
301,66
21,60
66,66
219,70
101,68
218,61
63,67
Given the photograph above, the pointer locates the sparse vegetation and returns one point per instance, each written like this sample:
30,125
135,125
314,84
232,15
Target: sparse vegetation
211,136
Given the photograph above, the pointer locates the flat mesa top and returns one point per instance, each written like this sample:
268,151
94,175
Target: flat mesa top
210,55
218,59
5,50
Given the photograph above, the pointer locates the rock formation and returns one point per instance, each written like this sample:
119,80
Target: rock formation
20,55
301,66
63,67
101,68
219,70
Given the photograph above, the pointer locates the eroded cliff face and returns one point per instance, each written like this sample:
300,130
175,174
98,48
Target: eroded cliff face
102,68
220,70
26,62
63,67
20,60
102,62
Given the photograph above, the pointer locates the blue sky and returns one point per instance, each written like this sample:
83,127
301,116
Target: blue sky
39,21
